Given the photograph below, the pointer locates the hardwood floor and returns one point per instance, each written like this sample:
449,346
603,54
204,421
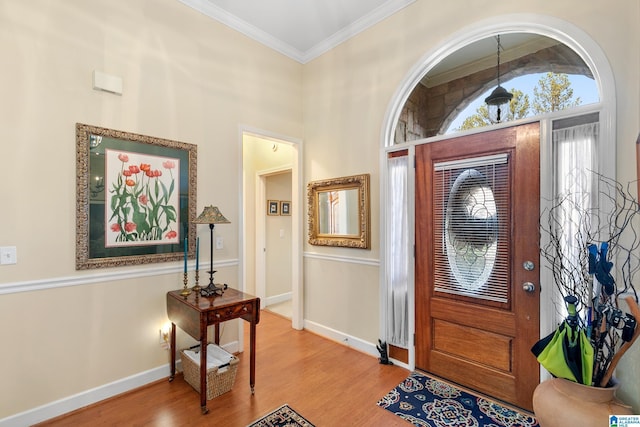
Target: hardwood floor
326,382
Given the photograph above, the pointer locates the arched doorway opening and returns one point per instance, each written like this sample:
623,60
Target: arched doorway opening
572,50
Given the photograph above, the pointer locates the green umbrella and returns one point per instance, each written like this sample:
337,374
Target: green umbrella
567,352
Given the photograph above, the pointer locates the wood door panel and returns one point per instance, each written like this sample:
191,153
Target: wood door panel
475,145
487,348
480,343
496,321
492,382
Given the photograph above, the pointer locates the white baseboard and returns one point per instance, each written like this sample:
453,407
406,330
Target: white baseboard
89,397
334,335
277,299
85,398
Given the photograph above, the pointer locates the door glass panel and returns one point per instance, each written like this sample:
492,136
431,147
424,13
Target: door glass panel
471,230
470,222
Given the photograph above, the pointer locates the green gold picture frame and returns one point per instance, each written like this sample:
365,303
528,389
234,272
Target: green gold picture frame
135,198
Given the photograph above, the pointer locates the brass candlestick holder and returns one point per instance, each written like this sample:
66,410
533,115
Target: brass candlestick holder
197,287
214,288
185,291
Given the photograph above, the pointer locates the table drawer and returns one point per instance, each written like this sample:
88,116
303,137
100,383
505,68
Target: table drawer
228,313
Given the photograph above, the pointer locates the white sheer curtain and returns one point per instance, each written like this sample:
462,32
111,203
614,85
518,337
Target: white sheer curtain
575,158
397,252
575,166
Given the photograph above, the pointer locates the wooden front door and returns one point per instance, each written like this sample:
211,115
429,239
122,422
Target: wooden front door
477,257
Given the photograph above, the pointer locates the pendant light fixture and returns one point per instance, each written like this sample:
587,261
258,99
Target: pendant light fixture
499,96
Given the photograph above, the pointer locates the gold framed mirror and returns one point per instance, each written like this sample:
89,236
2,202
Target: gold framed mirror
339,212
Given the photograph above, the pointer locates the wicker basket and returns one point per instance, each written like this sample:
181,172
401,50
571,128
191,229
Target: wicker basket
219,379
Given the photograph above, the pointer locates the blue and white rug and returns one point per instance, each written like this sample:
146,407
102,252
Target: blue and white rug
426,402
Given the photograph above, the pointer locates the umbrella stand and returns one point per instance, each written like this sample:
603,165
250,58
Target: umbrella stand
635,310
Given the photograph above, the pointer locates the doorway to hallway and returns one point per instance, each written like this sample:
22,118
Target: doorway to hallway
274,283
272,221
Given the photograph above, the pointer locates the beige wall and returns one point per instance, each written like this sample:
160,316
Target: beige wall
190,79
186,78
348,90
278,238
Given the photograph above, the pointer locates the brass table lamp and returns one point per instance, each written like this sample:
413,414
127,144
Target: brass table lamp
211,215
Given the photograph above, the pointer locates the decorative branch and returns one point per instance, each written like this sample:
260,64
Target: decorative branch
608,219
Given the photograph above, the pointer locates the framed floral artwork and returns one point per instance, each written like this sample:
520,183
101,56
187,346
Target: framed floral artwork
136,198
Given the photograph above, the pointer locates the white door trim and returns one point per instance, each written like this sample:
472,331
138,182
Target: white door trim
563,31
297,215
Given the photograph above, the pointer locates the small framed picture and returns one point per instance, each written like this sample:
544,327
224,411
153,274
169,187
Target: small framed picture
285,208
273,207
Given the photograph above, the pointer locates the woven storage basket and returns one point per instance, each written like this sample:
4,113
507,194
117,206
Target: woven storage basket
219,380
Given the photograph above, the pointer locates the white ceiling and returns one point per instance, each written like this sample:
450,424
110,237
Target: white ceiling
305,29
300,29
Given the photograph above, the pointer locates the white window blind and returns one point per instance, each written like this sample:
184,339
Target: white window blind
471,227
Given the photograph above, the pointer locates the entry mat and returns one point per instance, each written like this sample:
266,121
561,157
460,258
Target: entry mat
428,402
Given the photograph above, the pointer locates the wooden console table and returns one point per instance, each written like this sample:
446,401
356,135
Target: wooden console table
195,313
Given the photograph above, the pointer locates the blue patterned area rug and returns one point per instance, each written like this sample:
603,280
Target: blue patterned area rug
284,416
426,402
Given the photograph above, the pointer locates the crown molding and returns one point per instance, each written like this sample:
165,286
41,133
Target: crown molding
379,14
212,11
251,31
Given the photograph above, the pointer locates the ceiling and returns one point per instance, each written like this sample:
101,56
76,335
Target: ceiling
305,29
300,29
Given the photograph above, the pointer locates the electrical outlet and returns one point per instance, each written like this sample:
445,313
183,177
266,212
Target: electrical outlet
219,243
8,255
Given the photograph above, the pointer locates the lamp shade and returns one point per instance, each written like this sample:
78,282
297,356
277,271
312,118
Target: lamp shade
211,215
499,96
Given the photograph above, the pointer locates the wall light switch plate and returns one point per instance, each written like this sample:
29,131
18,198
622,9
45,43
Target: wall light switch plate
8,255
219,243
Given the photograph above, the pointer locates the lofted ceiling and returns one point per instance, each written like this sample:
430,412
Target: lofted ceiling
300,29
305,29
